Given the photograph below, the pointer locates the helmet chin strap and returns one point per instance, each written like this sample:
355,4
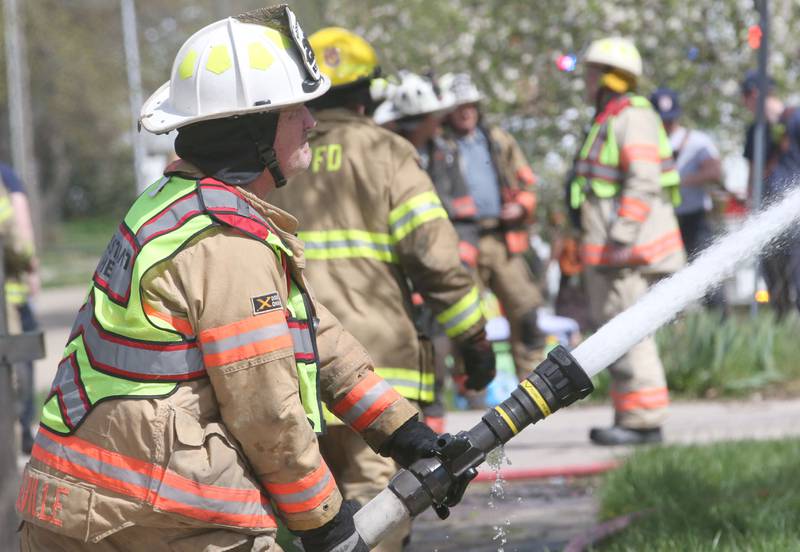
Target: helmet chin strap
264,140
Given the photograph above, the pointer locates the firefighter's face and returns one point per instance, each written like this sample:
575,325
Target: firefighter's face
291,140
465,118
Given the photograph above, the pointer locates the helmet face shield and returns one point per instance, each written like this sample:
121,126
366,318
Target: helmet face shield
257,62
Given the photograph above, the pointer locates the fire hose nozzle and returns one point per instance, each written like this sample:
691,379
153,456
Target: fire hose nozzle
557,382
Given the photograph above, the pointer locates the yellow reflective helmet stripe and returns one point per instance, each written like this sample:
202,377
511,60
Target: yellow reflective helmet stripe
219,60
260,58
413,213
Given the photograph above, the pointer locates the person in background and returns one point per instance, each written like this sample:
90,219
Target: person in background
698,162
19,291
415,109
375,232
781,268
624,188
501,184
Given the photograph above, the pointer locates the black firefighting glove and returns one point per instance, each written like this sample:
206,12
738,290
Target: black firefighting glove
338,535
410,442
479,361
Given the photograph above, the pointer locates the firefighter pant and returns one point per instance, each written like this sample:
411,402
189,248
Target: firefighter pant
361,474
638,385
510,279
151,539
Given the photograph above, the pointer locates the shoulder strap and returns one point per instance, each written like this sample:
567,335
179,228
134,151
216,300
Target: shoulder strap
228,207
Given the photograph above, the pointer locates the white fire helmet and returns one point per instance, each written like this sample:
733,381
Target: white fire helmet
233,67
415,95
461,87
619,53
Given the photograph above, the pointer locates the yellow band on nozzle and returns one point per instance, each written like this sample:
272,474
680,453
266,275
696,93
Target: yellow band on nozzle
507,419
534,394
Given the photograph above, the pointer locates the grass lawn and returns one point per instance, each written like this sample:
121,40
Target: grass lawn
742,496
705,357
71,253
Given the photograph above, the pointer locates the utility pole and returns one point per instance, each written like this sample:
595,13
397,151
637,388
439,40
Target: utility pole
133,64
19,109
760,131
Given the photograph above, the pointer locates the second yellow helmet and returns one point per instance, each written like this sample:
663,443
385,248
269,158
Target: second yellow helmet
344,57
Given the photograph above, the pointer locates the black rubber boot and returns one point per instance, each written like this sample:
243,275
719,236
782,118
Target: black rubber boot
618,435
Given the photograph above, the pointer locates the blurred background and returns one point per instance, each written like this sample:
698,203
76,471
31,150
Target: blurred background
72,69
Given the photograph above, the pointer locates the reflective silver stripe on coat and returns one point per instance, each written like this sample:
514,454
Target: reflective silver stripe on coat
169,219
115,269
253,336
132,477
301,339
348,243
66,385
456,320
365,402
414,212
588,169
219,198
301,496
127,358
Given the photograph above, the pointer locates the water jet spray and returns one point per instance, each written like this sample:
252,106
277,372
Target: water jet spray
564,378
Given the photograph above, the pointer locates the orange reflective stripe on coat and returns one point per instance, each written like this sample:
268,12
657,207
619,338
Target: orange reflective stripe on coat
647,253
163,489
527,200
644,399
245,339
180,324
647,153
633,208
365,402
305,494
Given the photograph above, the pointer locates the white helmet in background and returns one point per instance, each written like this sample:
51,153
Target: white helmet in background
414,96
417,95
461,88
234,67
619,53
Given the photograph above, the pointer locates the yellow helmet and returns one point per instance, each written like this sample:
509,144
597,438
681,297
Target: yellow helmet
342,56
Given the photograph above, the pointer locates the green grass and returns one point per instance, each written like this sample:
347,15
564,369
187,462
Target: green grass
705,357
741,496
73,249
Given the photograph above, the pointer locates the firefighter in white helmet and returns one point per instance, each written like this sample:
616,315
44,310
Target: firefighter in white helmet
185,411
501,185
415,109
375,232
622,193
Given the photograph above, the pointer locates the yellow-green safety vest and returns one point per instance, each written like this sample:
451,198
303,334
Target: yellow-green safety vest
116,351
598,167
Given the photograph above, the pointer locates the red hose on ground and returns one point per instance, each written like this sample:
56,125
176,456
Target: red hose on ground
544,473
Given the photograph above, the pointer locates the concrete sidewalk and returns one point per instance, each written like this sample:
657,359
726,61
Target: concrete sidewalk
562,440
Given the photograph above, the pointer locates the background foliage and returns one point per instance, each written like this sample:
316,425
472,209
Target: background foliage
80,97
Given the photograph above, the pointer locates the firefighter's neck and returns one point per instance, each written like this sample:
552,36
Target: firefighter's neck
604,96
263,185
